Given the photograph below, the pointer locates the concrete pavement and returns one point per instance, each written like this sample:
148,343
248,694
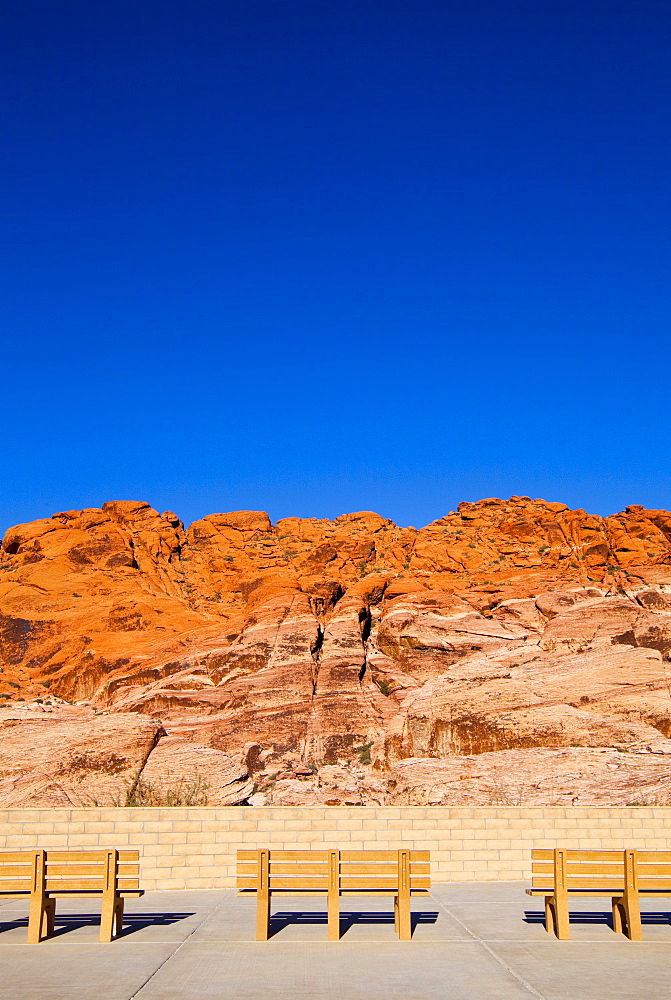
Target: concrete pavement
470,941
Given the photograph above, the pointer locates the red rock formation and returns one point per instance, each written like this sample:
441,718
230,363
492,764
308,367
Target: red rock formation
72,756
345,648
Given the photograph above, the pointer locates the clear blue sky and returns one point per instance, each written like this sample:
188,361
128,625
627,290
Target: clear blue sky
313,257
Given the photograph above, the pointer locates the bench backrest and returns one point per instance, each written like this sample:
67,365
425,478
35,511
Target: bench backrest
284,870
92,871
651,870
343,871
384,870
20,871
602,871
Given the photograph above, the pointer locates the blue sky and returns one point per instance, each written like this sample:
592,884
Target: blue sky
314,257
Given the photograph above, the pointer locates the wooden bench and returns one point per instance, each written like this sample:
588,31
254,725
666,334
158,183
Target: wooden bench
625,876
334,873
45,876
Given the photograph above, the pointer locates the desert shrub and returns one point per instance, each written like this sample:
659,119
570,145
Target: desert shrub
140,792
181,793
364,752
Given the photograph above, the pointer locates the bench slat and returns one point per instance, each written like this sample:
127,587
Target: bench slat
86,884
302,858
7,871
77,857
388,857
289,882
296,885
354,868
597,857
319,871
376,871
282,868
90,857
617,885
654,871
583,871
99,871
369,857
68,894
367,883
289,856
16,857
656,857
549,890
286,882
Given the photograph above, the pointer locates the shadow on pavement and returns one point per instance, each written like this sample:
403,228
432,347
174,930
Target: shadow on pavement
281,919
597,917
132,922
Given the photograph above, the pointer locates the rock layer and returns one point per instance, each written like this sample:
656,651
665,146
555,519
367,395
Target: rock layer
346,660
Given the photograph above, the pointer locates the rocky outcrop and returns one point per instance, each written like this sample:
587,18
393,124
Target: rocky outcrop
179,773
341,650
600,777
71,756
75,756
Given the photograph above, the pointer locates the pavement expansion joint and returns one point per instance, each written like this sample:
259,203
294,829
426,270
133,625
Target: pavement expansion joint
484,944
149,978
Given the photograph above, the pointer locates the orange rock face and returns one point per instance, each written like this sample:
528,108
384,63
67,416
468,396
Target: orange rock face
348,660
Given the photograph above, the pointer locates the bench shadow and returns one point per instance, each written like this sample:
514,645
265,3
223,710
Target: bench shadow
348,918
132,922
598,917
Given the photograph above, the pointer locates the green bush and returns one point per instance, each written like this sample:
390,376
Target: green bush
364,753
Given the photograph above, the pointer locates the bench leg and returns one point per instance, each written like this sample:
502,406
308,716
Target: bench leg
107,918
404,920
39,922
396,914
118,916
560,914
111,917
563,929
333,904
618,914
262,915
49,917
628,907
549,915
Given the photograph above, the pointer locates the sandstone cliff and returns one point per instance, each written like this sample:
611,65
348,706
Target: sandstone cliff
510,651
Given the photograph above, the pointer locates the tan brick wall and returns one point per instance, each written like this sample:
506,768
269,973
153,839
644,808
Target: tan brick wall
195,848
